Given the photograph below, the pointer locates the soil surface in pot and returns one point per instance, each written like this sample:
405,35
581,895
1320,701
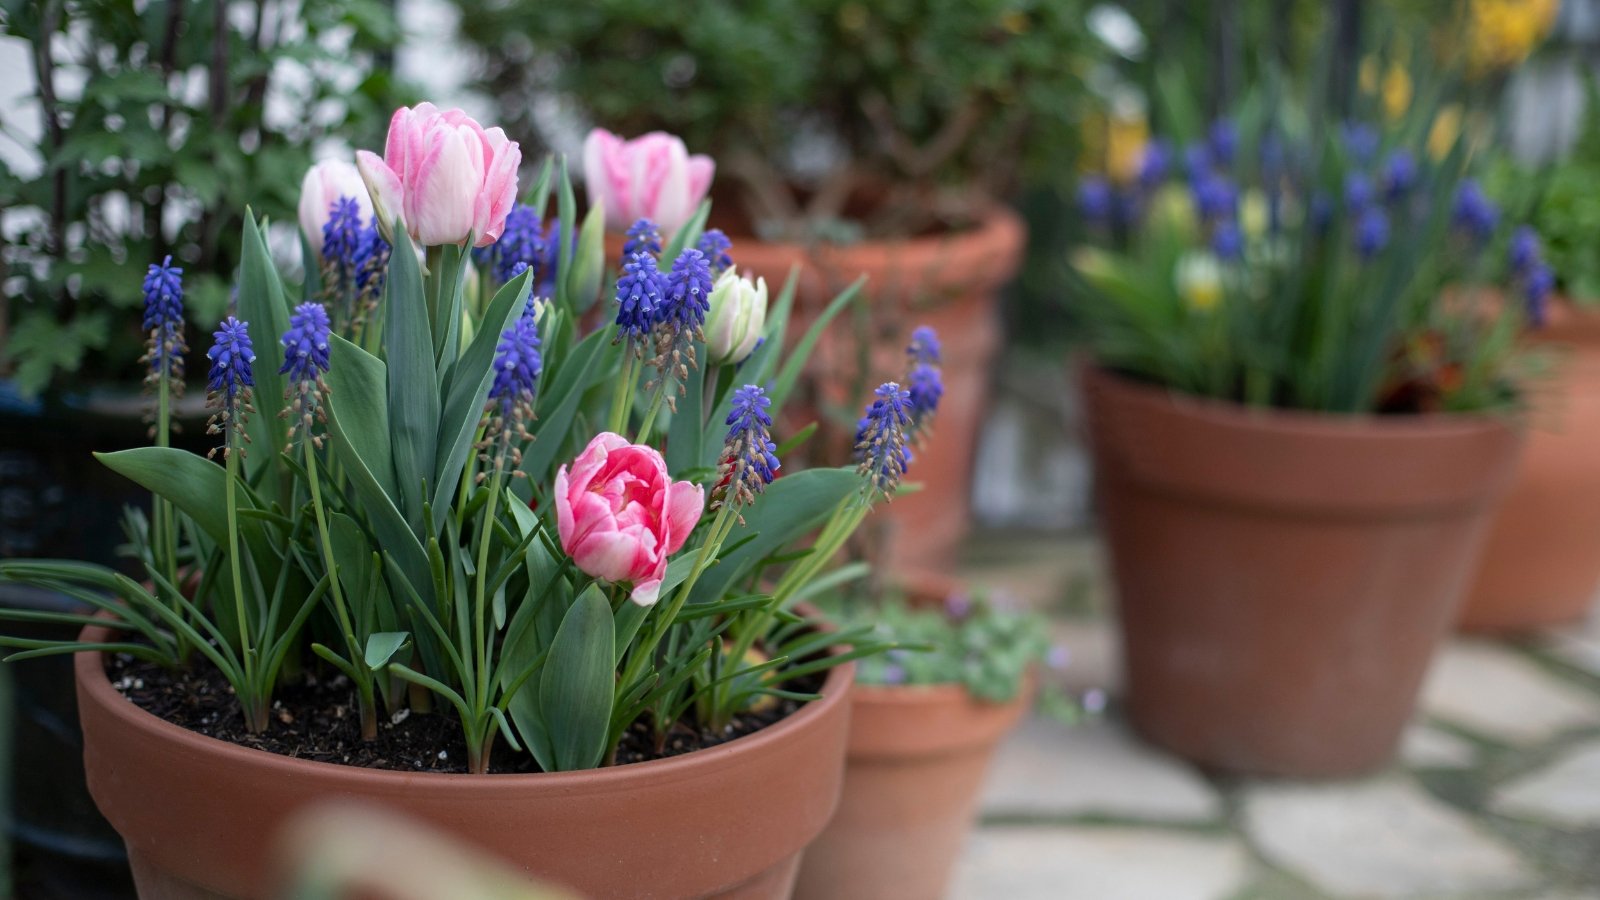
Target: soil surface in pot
315,718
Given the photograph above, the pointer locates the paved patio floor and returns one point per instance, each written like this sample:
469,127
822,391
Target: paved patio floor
1495,794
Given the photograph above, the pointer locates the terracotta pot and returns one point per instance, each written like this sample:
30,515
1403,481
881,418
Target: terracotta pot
199,815
1284,577
1541,564
917,757
950,282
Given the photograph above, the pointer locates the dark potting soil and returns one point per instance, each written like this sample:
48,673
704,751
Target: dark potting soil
314,717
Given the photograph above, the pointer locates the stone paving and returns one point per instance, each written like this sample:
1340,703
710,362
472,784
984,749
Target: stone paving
1495,793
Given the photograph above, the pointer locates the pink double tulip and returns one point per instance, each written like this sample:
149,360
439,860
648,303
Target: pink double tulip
651,177
620,515
444,175
324,183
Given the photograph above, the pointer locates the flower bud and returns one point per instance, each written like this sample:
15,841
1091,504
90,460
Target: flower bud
589,259
737,318
324,184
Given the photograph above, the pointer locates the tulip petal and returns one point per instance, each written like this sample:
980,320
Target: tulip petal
384,189
646,593
685,504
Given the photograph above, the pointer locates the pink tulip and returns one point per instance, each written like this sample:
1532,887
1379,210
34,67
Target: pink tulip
651,177
444,175
324,183
620,515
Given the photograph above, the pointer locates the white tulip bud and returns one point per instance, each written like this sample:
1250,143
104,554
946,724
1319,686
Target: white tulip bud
737,318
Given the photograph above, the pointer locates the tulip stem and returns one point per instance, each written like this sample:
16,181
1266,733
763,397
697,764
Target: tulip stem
650,416
622,400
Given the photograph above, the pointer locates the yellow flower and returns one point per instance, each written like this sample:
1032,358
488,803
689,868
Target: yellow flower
1501,33
1396,92
1446,129
1126,137
1198,277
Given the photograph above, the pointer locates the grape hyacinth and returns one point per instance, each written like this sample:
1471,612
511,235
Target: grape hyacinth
1227,241
1529,271
305,360
1154,164
1095,200
1357,193
640,291
1360,141
1474,214
924,380
642,237
1223,141
881,439
1372,232
715,245
163,324
517,364
749,457
680,320
522,243
230,382
354,260
1399,176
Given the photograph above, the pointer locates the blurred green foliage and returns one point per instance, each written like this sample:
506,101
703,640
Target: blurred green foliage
150,123
825,116
967,640
1562,203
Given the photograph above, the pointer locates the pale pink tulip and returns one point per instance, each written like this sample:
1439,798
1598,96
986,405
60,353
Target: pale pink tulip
620,515
444,175
324,183
651,177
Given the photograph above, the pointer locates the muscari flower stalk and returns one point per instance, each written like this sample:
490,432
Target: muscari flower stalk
1227,241
881,440
230,382
715,245
517,364
1095,199
1357,193
1529,271
749,457
1154,164
163,324
164,350
642,237
680,321
1399,176
354,259
924,381
305,359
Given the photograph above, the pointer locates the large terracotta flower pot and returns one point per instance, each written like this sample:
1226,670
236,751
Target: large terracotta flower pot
950,282
199,815
1284,577
1541,564
917,759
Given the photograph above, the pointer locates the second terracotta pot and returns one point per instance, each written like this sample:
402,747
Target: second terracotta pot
200,815
1541,564
950,282
916,761
1283,578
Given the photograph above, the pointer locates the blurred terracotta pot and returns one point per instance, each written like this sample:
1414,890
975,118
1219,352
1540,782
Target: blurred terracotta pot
1541,564
950,282
1284,577
199,815
917,757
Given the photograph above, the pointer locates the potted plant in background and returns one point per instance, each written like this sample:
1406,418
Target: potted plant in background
441,562
1541,563
843,149
104,166
1299,438
925,719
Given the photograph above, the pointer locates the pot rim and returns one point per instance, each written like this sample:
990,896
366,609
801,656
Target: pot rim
994,217
1305,423
89,671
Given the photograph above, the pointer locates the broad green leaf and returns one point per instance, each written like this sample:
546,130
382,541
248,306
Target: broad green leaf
194,484
685,432
359,409
467,390
413,386
790,507
264,305
575,689
382,647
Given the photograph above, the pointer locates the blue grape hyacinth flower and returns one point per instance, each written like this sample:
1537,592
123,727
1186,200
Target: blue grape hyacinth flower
881,439
163,323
